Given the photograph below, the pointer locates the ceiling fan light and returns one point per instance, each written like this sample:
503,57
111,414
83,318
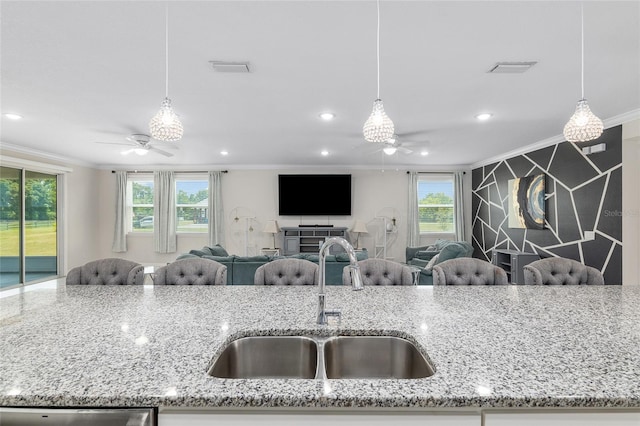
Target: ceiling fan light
141,151
583,125
165,125
378,127
390,150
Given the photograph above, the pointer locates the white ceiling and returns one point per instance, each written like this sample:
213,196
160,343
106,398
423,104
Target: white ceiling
84,72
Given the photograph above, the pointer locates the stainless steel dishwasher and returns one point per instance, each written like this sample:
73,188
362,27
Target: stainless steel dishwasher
26,416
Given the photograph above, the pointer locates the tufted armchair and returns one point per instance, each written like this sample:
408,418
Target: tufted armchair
561,271
287,272
380,272
192,271
468,271
110,271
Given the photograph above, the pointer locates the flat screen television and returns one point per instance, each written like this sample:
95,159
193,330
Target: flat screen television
314,195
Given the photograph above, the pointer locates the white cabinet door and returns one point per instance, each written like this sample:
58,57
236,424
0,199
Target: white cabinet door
316,419
585,418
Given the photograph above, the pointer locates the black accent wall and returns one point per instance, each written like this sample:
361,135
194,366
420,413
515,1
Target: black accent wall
583,193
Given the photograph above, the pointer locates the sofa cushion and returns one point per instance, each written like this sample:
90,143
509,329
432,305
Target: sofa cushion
186,256
344,257
221,259
426,254
251,259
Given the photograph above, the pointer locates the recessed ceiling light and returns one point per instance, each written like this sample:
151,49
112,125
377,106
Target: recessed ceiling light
325,153
424,153
224,152
327,116
12,116
484,116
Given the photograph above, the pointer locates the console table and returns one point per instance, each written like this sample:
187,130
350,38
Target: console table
309,239
512,262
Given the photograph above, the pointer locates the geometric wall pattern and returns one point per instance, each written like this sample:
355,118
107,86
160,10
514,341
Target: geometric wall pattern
583,193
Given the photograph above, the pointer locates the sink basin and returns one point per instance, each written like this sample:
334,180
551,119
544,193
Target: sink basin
264,357
368,357
309,357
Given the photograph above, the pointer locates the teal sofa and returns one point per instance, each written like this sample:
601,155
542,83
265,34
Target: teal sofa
241,269
444,249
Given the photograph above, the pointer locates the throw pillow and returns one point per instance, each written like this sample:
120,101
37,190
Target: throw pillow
199,253
218,250
432,262
451,251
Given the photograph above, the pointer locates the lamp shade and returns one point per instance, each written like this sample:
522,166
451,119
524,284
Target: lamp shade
360,227
271,227
583,126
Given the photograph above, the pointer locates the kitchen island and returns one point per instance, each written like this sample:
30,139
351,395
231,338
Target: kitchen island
492,347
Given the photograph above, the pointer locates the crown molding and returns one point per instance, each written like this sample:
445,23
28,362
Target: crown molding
608,123
42,155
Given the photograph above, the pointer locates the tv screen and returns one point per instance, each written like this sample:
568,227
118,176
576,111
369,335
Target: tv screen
314,195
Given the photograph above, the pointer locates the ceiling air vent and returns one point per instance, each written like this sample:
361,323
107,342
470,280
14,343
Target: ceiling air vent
511,67
221,66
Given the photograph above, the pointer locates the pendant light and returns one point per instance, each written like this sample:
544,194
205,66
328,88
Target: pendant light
378,127
165,125
583,125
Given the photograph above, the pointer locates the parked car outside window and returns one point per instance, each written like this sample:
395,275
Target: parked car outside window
146,222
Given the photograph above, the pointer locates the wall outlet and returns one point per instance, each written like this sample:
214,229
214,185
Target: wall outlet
589,235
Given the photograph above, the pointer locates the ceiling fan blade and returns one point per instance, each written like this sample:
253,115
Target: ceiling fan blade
159,151
115,143
127,151
164,145
404,150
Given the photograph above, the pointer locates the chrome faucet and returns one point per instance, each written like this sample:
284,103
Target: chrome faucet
354,269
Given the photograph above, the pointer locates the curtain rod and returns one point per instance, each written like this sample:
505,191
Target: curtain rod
187,171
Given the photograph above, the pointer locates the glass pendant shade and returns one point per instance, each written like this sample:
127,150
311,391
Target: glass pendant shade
165,125
583,125
378,127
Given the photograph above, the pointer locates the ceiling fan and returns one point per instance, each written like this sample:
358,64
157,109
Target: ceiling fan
141,144
394,146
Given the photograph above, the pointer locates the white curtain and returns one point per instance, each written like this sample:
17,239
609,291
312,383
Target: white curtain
120,229
458,177
164,212
216,214
413,219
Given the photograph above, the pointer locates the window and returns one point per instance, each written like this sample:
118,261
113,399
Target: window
192,204
436,207
140,203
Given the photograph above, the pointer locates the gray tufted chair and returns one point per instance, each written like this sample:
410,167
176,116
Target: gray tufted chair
110,271
287,272
468,271
192,271
380,272
561,271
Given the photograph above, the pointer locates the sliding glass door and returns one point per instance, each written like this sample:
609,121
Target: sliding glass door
28,226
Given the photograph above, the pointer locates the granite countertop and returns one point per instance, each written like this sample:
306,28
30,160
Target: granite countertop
491,346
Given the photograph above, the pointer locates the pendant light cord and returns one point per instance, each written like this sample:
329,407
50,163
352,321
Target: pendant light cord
582,46
166,49
378,46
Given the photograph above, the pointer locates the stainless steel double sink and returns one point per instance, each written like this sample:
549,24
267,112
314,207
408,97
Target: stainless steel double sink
313,357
